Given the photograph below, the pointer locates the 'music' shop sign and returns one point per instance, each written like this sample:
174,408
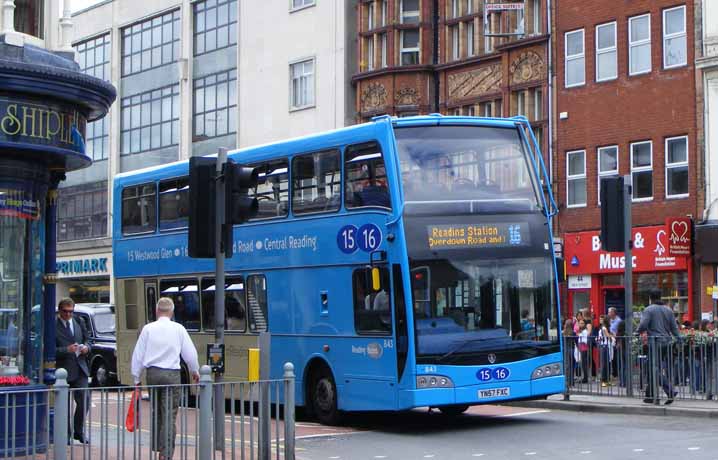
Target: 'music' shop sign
650,253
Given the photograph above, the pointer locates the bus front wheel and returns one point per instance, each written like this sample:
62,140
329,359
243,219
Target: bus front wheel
454,410
324,398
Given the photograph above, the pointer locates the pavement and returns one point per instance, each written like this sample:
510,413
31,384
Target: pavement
613,404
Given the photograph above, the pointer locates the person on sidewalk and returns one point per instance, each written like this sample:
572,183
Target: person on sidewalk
616,322
71,354
658,322
157,352
606,344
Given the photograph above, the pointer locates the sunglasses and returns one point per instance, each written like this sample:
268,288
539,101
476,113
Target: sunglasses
67,311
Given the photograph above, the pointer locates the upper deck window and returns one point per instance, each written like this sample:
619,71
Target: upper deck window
174,203
366,183
272,192
465,169
316,182
139,209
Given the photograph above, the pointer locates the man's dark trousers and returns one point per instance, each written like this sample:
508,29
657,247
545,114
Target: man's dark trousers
81,397
165,403
659,355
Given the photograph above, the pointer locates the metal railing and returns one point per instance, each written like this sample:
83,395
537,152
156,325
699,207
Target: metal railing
38,424
661,368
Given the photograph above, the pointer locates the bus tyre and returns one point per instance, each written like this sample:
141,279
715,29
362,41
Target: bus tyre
324,398
454,410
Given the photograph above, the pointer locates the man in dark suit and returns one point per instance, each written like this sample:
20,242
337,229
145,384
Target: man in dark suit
71,355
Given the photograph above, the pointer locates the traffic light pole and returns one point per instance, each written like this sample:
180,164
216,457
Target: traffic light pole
628,281
219,296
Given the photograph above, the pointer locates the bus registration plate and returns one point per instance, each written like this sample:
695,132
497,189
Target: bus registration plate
494,392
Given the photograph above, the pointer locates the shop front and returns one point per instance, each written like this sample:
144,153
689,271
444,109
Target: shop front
595,277
85,278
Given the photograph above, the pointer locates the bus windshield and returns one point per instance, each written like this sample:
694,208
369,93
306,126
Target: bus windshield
475,168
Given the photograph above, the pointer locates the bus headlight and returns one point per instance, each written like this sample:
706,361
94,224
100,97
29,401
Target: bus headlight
433,381
546,370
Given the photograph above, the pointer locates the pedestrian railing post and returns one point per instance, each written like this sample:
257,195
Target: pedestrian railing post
62,394
289,379
205,412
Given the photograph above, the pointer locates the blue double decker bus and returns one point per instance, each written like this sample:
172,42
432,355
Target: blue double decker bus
399,263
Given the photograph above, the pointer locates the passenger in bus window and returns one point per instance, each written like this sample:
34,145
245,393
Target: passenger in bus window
370,193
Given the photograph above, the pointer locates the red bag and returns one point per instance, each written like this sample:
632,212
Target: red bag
130,419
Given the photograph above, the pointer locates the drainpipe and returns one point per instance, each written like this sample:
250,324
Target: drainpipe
550,92
435,57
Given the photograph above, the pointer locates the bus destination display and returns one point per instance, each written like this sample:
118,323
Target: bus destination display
466,236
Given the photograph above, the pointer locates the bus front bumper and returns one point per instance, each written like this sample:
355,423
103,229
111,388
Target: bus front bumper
482,393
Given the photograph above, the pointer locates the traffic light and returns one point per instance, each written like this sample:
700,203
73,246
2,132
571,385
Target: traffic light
202,191
612,219
238,180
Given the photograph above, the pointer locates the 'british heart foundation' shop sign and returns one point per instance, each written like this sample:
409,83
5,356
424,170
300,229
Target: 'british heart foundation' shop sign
650,253
42,124
679,236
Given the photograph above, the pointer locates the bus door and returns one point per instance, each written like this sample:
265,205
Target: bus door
130,298
370,368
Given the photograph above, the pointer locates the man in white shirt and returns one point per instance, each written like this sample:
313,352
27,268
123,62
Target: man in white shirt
158,351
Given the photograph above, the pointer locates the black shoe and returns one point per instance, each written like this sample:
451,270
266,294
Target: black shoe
649,400
670,399
82,439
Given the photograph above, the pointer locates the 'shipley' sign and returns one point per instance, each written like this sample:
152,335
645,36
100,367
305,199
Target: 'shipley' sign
679,236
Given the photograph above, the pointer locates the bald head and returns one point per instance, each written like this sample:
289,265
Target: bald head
165,307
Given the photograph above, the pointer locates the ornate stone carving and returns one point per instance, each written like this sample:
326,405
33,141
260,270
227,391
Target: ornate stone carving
529,66
476,82
373,97
407,96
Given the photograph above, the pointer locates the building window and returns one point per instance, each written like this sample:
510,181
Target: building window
94,57
455,51
469,110
302,90
575,65
536,15
677,167
639,43
382,39
470,39
410,47
82,212
642,170
215,105
607,165
369,47
537,98
298,4
576,178
151,43
383,12
606,68
215,25
521,102
409,11
455,9
150,120
674,37
97,139
370,16
469,7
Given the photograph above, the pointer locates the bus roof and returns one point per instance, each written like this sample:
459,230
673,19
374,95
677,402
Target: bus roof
316,141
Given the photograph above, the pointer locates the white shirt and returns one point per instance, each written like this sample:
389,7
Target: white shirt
161,344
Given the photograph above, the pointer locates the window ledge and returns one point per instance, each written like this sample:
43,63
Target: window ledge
678,197
302,8
301,108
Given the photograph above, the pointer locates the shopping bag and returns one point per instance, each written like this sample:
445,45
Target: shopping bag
576,354
130,419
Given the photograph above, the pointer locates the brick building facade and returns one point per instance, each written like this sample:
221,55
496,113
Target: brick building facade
424,56
626,106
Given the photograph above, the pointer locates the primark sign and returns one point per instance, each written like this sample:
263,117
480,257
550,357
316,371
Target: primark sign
74,267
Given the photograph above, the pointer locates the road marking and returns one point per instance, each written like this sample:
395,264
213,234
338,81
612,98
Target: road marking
585,451
638,450
530,453
324,435
694,448
335,457
477,455
429,456
520,414
380,456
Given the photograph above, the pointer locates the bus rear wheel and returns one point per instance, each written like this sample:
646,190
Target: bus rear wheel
454,410
324,398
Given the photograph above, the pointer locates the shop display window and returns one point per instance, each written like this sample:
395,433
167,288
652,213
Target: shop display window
673,286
